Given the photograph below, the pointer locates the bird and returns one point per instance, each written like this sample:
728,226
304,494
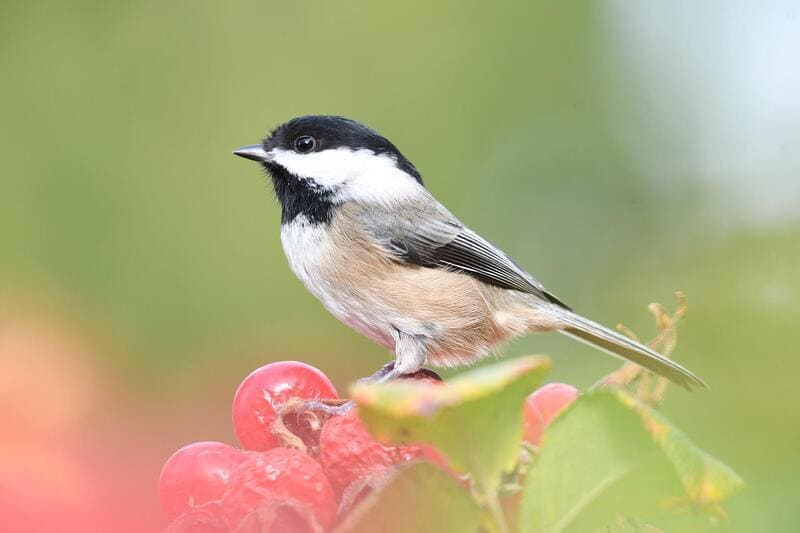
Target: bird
372,244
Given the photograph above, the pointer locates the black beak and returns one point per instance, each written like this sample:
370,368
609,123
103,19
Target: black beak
254,152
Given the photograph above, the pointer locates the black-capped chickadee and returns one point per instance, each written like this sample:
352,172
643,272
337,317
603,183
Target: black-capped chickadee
386,258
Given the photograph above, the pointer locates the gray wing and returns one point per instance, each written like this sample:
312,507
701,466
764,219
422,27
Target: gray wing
428,235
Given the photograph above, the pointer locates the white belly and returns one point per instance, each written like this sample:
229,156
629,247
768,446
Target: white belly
307,246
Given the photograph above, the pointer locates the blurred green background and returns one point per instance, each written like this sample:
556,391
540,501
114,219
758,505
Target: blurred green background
620,151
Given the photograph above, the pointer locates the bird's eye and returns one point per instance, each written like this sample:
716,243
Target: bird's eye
304,143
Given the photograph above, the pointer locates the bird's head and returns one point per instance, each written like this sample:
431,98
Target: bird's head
336,158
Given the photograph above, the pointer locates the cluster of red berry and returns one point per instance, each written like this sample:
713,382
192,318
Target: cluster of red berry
272,486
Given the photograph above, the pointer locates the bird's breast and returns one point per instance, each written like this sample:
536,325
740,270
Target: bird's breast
308,249
332,270
305,244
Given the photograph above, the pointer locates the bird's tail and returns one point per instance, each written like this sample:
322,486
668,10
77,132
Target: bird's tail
616,344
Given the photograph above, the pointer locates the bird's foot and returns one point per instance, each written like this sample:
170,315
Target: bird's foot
384,373
329,407
387,373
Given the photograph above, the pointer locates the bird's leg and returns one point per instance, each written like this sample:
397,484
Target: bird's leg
410,355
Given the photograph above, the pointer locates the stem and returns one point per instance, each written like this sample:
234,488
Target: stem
284,434
496,511
488,497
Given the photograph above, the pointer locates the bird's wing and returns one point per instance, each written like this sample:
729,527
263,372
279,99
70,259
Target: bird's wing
427,235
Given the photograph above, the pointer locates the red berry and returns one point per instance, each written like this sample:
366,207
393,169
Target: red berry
195,475
349,453
208,518
542,406
265,391
280,477
282,516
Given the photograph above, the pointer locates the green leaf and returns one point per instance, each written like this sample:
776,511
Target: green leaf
475,420
609,456
418,498
706,480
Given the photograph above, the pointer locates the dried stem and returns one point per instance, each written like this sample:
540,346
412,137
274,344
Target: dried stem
313,412
647,387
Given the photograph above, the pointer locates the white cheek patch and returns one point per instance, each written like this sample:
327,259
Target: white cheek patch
351,174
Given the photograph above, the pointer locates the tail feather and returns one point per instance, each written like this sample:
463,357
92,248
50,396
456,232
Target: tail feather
619,345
